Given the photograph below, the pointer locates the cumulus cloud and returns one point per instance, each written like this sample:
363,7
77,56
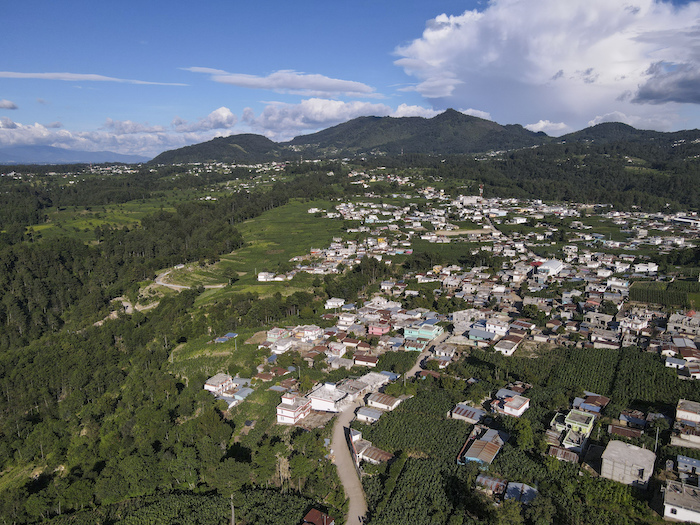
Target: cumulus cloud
289,81
280,121
550,128
6,123
127,127
80,77
221,118
477,113
654,122
7,104
530,60
404,110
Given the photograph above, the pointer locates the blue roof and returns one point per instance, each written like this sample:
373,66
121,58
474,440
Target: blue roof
687,462
475,333
391,375
231,335
243,393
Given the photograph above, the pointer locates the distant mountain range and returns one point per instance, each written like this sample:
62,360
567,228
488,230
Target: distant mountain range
449,133
52,155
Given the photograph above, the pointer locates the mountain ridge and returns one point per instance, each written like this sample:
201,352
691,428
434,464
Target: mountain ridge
53,155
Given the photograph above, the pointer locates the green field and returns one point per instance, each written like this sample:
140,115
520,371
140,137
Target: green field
272,239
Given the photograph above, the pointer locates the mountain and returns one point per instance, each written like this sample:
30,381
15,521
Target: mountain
52,155
244,148
449,133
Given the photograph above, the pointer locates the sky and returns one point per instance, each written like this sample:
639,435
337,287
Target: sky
148,76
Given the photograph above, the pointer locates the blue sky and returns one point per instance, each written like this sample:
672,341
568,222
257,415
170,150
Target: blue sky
144,77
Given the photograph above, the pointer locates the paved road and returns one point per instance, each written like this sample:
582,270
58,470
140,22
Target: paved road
346,467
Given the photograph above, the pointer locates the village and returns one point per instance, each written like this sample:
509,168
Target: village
577,297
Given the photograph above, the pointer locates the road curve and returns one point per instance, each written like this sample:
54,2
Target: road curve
159,281
357,507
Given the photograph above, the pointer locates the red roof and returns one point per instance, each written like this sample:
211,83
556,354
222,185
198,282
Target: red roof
316,517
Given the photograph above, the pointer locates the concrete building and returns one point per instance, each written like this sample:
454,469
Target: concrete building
628,464
292,409
681,502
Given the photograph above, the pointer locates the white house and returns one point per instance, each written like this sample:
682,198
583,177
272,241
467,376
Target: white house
219,384
646,267
292,409
282,345
681,502
334,302
308,333
326,398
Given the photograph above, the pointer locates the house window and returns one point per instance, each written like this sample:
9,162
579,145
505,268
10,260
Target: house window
674,511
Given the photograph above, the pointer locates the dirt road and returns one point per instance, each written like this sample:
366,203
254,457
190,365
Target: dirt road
346,468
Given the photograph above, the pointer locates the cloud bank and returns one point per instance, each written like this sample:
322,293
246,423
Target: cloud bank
278,121
6,104
562,62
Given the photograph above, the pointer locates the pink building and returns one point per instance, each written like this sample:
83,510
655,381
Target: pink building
292,409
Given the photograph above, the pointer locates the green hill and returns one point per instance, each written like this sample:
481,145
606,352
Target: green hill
242,148
449,133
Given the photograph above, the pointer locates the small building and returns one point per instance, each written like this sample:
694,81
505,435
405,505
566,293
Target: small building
510,403
627,464
482,446
366,360
382,401
466,413
681,502
688,411
368,414
219,384
333,303
316,517
326,398
292,409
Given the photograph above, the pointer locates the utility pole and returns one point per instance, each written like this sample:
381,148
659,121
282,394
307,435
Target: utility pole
233,513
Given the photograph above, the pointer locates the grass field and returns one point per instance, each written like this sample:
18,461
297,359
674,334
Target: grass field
271,239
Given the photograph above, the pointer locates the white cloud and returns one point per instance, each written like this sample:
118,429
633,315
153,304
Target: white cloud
127,127
477,113
221,118
524,60
550,128
656,122
404,110
284,121
277,121
80,77
7,104
289,81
